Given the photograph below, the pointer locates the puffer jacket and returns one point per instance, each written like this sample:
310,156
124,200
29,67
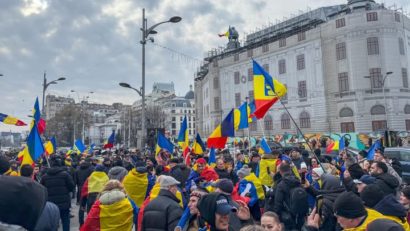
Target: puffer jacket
391,207
59,184
388,183
162,213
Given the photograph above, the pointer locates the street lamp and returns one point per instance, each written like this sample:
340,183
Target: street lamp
45,86
145,33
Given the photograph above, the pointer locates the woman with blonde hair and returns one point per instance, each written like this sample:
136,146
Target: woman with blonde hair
113,210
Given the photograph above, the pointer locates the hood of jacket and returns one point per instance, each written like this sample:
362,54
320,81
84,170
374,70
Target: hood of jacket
111,197
390,206
330,182
55,170
390,180
291,181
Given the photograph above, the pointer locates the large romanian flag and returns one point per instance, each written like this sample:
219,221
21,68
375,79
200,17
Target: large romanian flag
163,143
183,139
242,116
198,147
138,185
118,216
252,187
11,120
94,183
51,146
110,142
221,133
267,90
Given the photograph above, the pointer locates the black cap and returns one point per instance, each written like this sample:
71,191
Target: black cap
371,195
356,171
349,205
223,207
225,185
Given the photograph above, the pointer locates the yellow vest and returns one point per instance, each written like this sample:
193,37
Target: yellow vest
374,215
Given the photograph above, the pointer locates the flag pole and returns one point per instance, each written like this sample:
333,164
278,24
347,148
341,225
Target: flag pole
300,132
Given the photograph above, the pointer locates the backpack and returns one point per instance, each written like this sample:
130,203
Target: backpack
298,202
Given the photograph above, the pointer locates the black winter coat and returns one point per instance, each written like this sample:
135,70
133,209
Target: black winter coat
82,173
388,183
162,213
59,184
177,174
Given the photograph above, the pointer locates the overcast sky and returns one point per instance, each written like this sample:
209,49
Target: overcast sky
95,44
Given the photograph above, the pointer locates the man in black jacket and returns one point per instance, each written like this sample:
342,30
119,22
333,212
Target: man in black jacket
387,182
164,212
59,184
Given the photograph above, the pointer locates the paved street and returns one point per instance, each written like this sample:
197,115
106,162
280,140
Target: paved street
74,225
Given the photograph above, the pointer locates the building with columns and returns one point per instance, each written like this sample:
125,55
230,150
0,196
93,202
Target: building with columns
345,68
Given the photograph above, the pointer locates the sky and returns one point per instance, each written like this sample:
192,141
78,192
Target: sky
95,45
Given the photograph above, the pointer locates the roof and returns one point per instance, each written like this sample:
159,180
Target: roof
164,87
190,95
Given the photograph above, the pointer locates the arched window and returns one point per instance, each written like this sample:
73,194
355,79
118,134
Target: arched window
304,120
285,121
407,109
268,123
378,110
346,112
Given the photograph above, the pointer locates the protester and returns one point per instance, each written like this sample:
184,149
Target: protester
270,222
92,187
26,171
388,183
363,182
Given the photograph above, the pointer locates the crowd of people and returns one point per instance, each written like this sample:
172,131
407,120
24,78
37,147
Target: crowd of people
286,189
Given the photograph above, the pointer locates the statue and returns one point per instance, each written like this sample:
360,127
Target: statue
233,37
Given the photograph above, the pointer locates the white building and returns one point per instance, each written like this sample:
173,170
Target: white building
55,104
333,61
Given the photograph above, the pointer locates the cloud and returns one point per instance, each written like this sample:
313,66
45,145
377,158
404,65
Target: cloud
95,43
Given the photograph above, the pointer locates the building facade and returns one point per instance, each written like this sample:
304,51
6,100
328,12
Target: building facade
55,104
345,68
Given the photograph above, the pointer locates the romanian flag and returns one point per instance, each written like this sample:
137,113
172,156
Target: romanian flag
163,143
251,185
138,185
198,147
11,120
34,148
264,148
121,215
242,116
266,167
110,142
51,146
226,34
372,150
333,146
252,108
266,90
183,139
79,146
221,133
41,124
90,149
212,158
94,183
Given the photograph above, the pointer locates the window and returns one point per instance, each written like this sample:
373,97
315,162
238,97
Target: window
174,132
268,123
173,111
250,53
217,105
372,16
397,17
237,99
302,89
373,46
343,82
340,22
347,127
215,63
407,109
301,36
346,112
235,57
377,110
407,125
282,66
405,78
265,48
376,78
250,74
253,125
341,51
304,120
216,83
250,95
173,119
401,46
266,67
174,125
300,60
378,125
285,121
236,77
285,96
282,42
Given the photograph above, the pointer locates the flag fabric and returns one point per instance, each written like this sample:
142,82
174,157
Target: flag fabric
120,215
51,146
90,149
333,146
41,123
79,146
34,146
252,108
198,147
372,150
183,139
94,183
265,87
251,186
266,167
341,144
163,143
11,120
138,185
226,34
260,112
221,133
264,147
212,158
184,219
242,116
110,142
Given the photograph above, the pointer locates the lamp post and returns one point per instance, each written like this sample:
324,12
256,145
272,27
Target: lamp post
82,112
126,85
145,33
45,86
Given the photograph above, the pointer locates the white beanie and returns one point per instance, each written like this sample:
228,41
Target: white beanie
303,165
318,171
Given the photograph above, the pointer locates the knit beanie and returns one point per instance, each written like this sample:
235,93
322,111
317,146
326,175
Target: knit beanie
371,195
117,173
318,171
244,171
356,171
349,205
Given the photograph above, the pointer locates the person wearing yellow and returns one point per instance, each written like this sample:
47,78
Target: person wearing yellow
93,186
